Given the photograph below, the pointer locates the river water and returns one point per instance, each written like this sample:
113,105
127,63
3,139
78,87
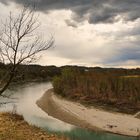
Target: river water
25,98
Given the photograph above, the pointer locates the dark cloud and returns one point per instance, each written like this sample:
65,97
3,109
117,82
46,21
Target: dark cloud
118,50
124,51
95,11
71,23
135,31
128,32
128,54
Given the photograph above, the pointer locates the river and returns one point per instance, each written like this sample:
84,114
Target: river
25,98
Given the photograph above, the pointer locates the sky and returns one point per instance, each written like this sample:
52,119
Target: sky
103,33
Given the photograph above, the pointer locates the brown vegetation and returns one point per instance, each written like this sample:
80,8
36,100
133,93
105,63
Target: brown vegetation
13,127
98,86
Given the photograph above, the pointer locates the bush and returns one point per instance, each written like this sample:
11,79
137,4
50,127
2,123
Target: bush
100,85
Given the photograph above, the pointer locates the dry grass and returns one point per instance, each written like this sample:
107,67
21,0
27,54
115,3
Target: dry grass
131,76
13,127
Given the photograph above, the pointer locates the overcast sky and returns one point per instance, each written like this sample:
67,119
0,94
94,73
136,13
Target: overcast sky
87,32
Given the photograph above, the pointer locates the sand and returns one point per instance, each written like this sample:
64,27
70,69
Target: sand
91,118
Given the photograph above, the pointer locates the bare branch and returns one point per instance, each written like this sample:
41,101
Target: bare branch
19,41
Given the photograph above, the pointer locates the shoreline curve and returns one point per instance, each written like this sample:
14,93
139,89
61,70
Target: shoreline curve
89,118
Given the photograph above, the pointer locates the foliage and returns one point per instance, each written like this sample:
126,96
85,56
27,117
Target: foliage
107,86
29,73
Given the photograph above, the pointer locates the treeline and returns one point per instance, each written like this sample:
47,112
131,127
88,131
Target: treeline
117,88
29,73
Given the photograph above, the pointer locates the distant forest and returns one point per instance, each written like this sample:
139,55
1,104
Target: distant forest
112,87
29,73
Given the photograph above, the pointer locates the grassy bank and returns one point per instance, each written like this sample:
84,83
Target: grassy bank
13,127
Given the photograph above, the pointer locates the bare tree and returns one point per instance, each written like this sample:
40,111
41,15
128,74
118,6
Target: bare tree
20,43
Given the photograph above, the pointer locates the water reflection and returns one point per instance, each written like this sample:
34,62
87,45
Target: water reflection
25,98
82,134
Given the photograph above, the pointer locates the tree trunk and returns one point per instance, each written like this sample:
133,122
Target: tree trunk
8,82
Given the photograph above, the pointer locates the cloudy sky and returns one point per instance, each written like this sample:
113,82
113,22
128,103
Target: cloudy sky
87,32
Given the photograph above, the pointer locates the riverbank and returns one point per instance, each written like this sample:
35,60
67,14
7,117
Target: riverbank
13,127
91,118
